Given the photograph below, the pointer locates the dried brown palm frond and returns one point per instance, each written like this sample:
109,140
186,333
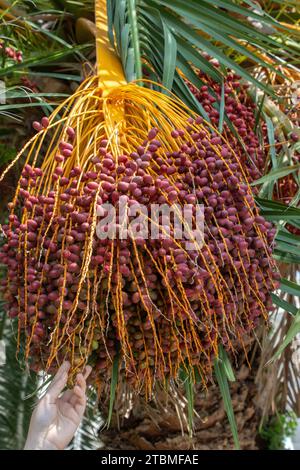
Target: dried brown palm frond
161,423
278,383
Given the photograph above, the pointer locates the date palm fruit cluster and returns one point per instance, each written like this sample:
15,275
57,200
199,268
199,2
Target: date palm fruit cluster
240,110
154,304
11,52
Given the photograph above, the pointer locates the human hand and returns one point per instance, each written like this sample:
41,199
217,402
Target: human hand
56,418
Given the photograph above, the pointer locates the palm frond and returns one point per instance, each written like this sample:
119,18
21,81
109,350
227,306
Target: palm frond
221,372
33,34
278,383
145,32
17,394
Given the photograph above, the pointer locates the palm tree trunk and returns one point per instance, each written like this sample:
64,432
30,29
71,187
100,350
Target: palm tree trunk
161,425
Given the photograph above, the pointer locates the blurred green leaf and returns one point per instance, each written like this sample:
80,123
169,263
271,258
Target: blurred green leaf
113,388
223,356
291,334
276,174
170,54
6,154
290,308
222,379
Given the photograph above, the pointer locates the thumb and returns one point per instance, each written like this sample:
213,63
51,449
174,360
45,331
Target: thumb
59,382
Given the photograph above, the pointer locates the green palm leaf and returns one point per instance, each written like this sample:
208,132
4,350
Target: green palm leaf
160,33
17,394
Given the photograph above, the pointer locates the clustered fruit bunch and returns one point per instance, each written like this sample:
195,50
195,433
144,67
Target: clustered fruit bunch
253,151
240,110
151,303
11,52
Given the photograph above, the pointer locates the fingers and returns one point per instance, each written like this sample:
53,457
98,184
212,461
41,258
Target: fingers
80,386
77,394
79,397
79,389
65,367
87,372
81,379
59,382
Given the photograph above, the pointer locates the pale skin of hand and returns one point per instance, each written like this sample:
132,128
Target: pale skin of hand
58,415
